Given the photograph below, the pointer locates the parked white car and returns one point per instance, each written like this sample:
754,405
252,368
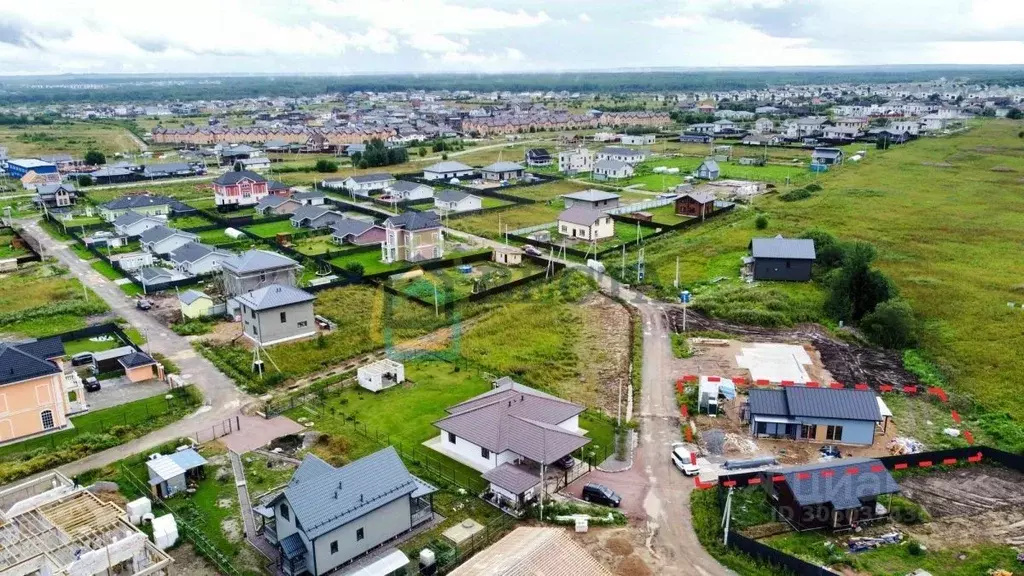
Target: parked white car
683,461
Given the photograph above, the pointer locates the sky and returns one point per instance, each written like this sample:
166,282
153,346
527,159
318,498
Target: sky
439,36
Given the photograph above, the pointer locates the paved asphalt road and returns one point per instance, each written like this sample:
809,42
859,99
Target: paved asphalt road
222,397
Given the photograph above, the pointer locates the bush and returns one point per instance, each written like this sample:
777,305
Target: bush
323,165
95,158
914,548
856,288
813,187
907,511
891,325
795,194
193,327
762,221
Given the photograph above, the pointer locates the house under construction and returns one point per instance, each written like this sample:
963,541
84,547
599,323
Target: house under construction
49,526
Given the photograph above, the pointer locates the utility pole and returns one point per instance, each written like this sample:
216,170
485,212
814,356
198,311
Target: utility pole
676,283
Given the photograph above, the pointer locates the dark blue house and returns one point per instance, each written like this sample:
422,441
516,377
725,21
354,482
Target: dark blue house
780,258
20,167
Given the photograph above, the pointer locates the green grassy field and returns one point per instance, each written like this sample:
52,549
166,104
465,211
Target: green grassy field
190,191
41,299
948,237
75,138
7,249
270,229
73,347
453,285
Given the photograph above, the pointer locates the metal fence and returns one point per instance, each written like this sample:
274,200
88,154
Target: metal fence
639,206
532,229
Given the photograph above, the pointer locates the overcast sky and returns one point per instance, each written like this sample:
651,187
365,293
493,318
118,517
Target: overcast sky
381,36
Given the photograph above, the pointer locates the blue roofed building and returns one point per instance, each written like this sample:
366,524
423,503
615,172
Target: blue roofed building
19,167
825,415
328,517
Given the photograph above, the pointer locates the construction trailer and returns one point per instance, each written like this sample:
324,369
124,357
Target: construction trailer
51,526
381,375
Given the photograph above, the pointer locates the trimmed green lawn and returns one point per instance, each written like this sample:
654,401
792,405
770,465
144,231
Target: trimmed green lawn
73,347
453,285
108,271
317,245
488,202
270,229
191,221
370,261
215,237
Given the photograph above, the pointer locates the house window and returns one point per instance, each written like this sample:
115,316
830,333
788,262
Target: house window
263,276
788,263
253,312
283,317
334,547
359,534
808,431
47,417
303,323
451,438
834,433
284,512
485,453
762,428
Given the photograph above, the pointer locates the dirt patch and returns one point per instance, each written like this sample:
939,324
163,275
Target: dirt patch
186,561
225,332
603,349
225,503
633,566
1002,169
232,529
846,362
113,497
609,545
976,504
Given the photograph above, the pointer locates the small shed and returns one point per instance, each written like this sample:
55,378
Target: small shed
194,304
170,473
381,375
707,396
508,255
107,360
708,170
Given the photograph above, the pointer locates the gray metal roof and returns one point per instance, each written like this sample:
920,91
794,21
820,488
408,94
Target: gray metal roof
350,227
610,165
136,359
581,215
189,296
17,364
324,498
195,251
415,220
131,217
779,247
517,418
804,402
233,177
274,296
256,261
46,348
51,189
512,478
158,233
502,167
292,546
591,195
139,201
842,483
308,195
700,197
367,178
620,151
173,465
710,164
406,186
448,166
271,201
828,152
452,195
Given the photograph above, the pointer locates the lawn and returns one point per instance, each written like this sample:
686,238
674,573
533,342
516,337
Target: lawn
270,229
317,245
189,191
488,202
487,224
666,215
108,271
98,344
7,248
42,299
948,237
452,284
191,221
75,138
216,237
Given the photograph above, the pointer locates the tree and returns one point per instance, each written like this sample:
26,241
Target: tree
354,271
856,288
238,166
1015,114
95,158
829,252
422,151
444,156
989,112
762,221
356,157
891,325
85,180
324,165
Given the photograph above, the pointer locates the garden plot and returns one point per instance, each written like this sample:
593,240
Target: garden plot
458,282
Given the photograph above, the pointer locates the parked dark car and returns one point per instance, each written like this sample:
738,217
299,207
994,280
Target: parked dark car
566,463
532,251
81,359
603,495
92,384
143,304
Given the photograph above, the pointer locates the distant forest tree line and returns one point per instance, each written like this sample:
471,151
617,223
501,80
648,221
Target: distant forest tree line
17,90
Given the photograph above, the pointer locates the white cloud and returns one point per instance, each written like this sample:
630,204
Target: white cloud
584,17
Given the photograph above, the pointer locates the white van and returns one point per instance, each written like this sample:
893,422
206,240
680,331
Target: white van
683,461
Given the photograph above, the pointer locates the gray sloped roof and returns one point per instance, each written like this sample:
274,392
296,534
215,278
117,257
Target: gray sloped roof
233,177
620,151
195,251
415,220
51,189
45,348
309,195
324,497
131,217
350,227
779,247
189,296
512,478
710,164
377,177
610,165
274,296
517,418
591,195
136,359
309,213
257,260
452,195
448,166
581,215
804,402
502,167
841,483
19,363
139,201
271,201
154,275
700,197
406,186
829,152
158,233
